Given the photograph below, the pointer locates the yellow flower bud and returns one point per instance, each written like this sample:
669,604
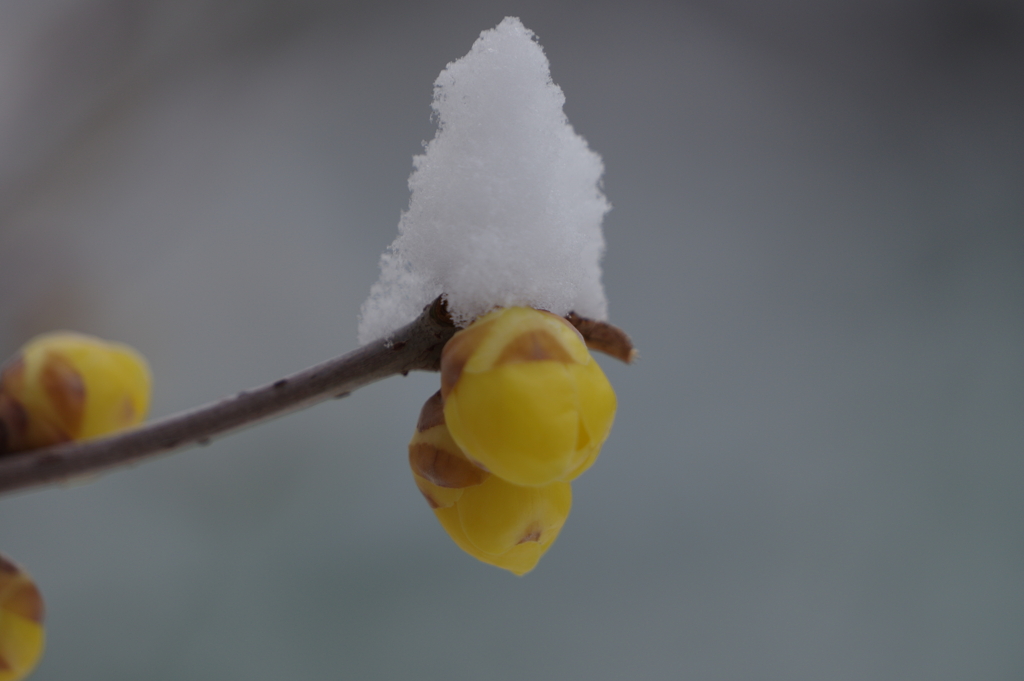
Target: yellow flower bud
68,386
523,398
493,520
21,623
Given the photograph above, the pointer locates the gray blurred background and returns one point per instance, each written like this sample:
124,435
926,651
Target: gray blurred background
817,243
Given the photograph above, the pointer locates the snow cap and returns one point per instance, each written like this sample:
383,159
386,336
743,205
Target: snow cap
506,203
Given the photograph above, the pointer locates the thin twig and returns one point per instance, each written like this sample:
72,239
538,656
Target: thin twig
415,347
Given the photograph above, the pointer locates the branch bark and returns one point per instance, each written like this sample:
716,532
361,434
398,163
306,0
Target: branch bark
415,347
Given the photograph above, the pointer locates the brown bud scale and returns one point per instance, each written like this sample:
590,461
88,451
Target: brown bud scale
604,337
65,389
432,413
534,346
19,594
442,468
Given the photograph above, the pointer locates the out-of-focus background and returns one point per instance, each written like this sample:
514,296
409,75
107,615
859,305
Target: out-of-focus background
817,243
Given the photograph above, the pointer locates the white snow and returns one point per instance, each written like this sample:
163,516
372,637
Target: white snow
506,203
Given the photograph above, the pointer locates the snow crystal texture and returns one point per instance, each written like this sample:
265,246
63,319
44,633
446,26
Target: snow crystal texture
506,204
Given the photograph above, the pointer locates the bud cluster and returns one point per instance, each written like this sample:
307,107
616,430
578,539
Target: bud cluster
523,410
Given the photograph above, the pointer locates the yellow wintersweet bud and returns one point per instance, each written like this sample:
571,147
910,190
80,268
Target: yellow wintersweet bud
21,623
523,398
495,521
67,386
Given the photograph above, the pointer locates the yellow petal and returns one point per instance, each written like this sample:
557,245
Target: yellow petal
520,421
507,525
596,414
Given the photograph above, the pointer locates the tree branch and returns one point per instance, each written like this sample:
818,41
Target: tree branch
415,347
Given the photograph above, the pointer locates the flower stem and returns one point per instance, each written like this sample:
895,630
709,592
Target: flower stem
415,347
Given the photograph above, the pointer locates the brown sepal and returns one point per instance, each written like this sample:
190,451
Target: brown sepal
442,468
13,419
19,595
604,337
25,601
65,388
534,346
13,425
457,352
432,413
